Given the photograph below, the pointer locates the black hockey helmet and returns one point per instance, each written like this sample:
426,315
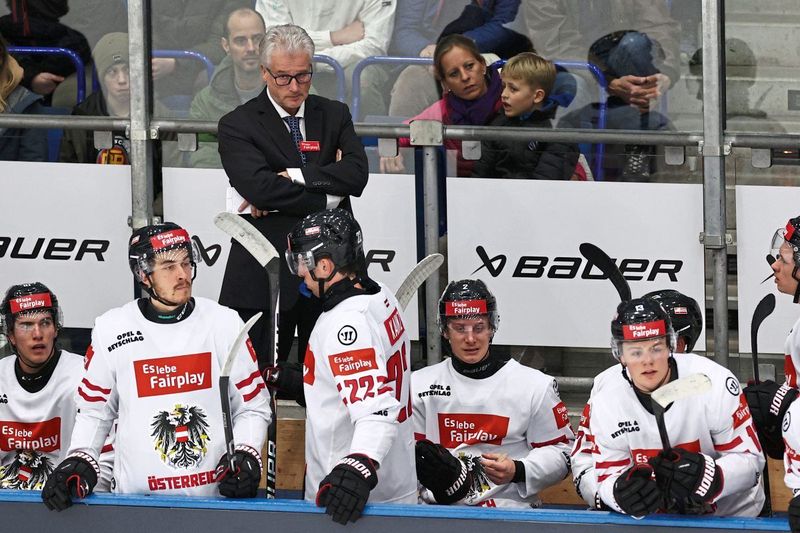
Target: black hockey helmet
334,234
467,298
790,235
29,298
685,313
148,242
640,319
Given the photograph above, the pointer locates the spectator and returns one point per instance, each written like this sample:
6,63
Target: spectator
346,31
236,80
288,154
478,392
471,96
17,144
528,80
419,25
38,386
36,23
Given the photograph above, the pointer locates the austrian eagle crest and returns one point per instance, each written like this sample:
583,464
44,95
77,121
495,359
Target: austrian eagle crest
480,481
180,435
28,471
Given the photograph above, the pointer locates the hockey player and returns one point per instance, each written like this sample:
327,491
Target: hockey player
715,463
489,431
687,320
37,389
155,364
356,374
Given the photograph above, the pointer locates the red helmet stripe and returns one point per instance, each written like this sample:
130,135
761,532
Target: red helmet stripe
30,302
169,238
465,307
789,230
644,330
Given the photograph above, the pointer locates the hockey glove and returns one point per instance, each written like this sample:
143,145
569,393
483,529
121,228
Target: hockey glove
243,483
441,472
345,491
636,491
794,514
768,403
75,477
287,379
682,474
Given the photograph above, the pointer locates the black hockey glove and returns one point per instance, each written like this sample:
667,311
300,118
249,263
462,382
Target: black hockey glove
688,475
345,491
243,483
768,403
75,477
441,472
794,514
636,492
287,379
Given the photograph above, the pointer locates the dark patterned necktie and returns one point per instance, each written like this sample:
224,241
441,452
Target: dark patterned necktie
297,137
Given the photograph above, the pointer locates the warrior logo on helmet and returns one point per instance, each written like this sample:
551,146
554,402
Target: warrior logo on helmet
180,435
28,471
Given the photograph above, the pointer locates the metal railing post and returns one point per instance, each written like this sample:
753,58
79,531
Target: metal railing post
431,221
141,94
714,152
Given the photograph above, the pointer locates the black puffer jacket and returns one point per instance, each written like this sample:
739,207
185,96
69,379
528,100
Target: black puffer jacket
530,159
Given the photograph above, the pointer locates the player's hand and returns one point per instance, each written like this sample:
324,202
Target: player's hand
345,491
349,34
768,422
75,477
634,90
683,474
45,83
392,165
794,514
244,482
439,471
287,378
498,467
636,492
163,66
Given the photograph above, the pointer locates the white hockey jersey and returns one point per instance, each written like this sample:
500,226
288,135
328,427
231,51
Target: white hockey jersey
716,423
792,358
162,383
517,411
35,428
357,376
791,458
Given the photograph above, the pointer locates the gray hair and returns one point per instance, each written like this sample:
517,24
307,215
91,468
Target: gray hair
286,37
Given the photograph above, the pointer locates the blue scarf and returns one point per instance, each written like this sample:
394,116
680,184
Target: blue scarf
480,111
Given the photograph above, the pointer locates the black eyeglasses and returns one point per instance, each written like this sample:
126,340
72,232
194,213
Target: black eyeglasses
285,79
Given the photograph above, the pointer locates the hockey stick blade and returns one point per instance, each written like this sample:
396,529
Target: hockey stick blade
691,385
764,308
602,261
248,236
770,259
417,277
224,380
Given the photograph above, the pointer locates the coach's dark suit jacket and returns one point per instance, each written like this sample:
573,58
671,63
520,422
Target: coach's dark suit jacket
255,144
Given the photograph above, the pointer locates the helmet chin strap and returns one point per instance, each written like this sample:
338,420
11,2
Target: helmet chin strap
321,281
31,364
153,294
797,290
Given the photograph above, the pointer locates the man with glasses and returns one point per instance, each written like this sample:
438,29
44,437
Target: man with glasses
37,390
154,364
489,431
287,154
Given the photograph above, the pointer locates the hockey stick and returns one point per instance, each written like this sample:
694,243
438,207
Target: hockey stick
679,389
417,277
601,260
764,308
770,259
224,394
265,254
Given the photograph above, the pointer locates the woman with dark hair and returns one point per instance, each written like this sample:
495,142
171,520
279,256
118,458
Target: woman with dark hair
471,96
18,144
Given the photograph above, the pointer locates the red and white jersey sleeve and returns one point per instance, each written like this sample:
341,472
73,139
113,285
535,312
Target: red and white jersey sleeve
791,458
516,411
161,382
357,389
792,358
716,423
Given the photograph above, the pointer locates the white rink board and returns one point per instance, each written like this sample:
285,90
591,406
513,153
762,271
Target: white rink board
71,207
547,221
192,197
759,212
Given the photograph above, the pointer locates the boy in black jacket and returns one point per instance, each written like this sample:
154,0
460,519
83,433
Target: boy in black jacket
527,82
